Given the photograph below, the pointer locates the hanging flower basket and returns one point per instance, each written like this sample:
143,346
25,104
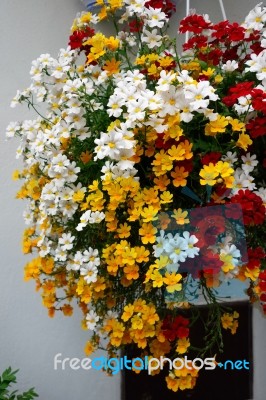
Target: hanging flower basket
145,178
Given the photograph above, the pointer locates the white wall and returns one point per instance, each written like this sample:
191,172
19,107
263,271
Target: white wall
28,338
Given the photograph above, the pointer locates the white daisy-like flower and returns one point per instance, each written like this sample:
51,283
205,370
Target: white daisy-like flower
91,320
66,241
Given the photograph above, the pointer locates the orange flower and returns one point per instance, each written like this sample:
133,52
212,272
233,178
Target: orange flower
179,175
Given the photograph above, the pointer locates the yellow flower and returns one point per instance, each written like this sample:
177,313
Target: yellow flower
162,163
179,175
128,312
142,254
227,262
172,281
112,43
224,169
208,174
180,216
164,220
131,271
149,214
112,66
237,125
229,321
166,197
161,182
147,232
217,126
78,196
15,175
244,141
182,345
89,348
97,43
136,322
67,310
124,230
113,264
157,279
177,153
172,382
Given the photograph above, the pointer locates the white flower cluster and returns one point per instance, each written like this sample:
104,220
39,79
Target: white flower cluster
243,179
176,248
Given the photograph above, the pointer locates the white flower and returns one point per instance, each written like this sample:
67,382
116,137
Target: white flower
233,251
165,80
200,94
249,163
191,240
151,38
242,181
66,241
91,218
12,129
230,157
256,18
91,320
244,104
230,66
177,248
261,192
155,17
159,248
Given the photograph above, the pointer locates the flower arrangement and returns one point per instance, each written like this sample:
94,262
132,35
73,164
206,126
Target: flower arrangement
144,172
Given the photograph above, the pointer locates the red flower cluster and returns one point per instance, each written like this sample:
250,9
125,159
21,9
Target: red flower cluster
255,257
252,206
175,328
212,157
224,31
262,286
239,90
257,127
194,23
223,41
165,5
78,37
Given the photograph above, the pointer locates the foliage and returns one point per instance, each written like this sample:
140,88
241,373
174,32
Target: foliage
7,378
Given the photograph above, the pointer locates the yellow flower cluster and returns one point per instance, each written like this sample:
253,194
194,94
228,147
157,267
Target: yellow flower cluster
181,379
229,321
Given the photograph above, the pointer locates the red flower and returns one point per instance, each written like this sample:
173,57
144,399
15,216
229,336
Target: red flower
176,327
259,100
212,57
228,32
136,25
194,23
212,157
233,211
262,275
78,37
255,256
263,297
165,5
208,229
252,206
196,41
211,263
239,90
257,127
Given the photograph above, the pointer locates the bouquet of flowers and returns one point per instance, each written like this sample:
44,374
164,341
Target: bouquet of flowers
144,174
